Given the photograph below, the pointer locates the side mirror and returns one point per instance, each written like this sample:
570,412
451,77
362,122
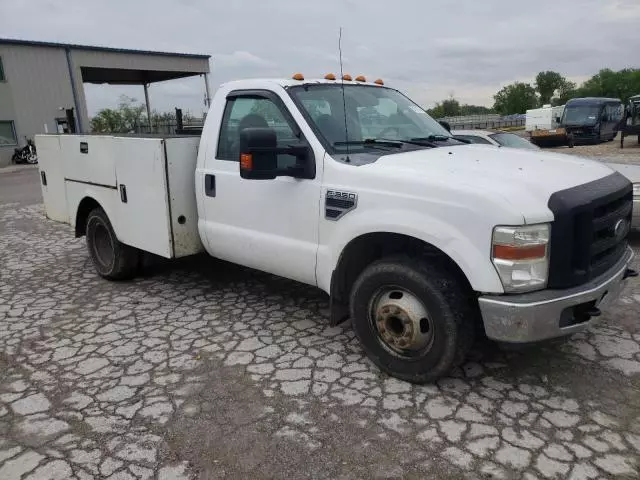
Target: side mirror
557,119
605,117
259,156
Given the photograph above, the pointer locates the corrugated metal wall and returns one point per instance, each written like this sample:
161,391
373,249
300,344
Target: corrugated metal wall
37,85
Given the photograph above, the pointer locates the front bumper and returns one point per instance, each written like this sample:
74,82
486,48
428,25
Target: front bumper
536,316
583,135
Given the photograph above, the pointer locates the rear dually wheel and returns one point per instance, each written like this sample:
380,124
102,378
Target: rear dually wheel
111,258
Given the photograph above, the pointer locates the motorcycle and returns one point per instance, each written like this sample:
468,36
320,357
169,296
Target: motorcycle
26,154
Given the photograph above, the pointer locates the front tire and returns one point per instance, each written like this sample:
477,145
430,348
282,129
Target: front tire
414,319
111,258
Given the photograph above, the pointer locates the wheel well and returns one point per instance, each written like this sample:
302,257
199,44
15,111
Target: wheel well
87,205
364,250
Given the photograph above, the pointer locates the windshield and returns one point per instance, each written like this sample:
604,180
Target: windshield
511,140
373,114
581,114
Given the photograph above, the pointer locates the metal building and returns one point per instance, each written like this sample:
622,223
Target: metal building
41,84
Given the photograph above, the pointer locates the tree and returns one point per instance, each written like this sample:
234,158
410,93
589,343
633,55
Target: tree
107,120
607,83
452,108
515,98
130,116
547,83
565,92
475,110
127,118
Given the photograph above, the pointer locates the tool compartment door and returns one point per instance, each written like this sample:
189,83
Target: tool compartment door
182,154
143,209
51,167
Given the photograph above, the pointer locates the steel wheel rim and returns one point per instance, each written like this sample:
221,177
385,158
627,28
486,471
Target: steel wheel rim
103,245
401,322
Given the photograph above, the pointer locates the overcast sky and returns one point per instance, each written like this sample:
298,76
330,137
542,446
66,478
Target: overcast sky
429,49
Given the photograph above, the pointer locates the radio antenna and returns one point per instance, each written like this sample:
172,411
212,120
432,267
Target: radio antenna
344,101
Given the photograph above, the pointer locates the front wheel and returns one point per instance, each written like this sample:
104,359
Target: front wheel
414,319
111,258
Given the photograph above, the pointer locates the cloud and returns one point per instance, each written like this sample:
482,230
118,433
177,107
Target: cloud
429,49
622,11
241,58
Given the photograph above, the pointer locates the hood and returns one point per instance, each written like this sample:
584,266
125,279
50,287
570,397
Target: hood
632,172
525,179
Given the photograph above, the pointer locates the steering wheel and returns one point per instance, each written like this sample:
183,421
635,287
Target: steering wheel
383,133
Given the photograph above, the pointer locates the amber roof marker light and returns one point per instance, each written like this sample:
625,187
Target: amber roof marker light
329,76
298,76
361,78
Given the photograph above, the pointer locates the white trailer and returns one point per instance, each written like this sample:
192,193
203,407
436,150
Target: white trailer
544,118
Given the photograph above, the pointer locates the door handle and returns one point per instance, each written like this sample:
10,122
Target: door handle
210,185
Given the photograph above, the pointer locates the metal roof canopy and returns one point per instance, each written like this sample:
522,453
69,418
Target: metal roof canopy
116,75
125,76
117,66
74,46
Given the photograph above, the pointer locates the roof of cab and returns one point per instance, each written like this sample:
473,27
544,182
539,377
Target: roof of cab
289,82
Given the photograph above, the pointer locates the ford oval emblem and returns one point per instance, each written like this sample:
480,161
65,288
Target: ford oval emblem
621,229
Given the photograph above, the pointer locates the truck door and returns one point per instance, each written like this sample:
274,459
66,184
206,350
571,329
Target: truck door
270,225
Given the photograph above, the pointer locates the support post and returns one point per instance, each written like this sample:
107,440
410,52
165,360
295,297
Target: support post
76,127
206,87
146,99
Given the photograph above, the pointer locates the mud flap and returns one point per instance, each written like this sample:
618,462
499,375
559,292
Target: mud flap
338,312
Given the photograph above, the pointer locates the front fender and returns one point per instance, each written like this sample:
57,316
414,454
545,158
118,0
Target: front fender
471,256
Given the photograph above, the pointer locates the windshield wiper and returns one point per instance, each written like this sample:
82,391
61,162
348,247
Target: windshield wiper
372,142
433,138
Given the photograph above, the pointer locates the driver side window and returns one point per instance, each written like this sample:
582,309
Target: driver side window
253,112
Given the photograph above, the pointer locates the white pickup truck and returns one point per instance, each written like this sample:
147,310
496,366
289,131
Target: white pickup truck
422,240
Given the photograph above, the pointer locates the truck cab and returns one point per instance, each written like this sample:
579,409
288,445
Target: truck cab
422,240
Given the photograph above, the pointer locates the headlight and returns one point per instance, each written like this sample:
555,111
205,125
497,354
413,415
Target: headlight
521,256
636,189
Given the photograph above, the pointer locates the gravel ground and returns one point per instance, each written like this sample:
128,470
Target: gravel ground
202,369
608,151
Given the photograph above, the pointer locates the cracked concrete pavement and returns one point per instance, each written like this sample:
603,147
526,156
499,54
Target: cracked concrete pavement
201,369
